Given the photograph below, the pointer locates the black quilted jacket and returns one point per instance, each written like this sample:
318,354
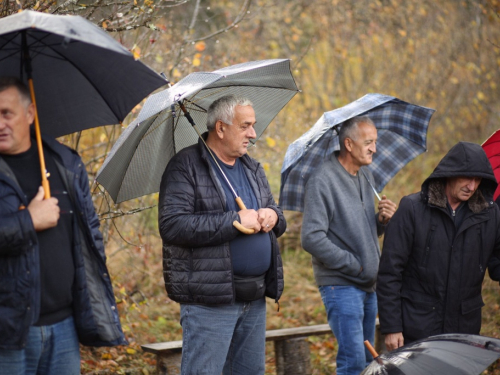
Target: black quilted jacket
196,229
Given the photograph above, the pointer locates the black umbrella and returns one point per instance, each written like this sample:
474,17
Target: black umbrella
81,77
457,354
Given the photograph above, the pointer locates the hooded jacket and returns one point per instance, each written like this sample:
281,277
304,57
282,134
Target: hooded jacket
196,229
94,309
431,271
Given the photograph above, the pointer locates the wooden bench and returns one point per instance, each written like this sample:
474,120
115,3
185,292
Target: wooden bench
292,352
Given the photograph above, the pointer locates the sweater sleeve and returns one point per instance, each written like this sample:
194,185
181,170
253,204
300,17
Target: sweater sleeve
318,211
397,247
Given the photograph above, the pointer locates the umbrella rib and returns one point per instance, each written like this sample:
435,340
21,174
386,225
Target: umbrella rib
196,105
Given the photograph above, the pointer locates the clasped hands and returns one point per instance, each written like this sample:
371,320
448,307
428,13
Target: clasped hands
262,220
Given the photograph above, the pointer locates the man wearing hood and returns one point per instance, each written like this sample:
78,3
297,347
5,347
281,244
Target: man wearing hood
436,250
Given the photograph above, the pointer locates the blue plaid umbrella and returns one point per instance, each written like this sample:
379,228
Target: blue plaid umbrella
402,134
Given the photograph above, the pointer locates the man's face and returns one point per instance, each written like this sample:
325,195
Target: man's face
364,144
237,136
460,189
15,121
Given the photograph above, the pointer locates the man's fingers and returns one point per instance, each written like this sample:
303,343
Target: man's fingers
40,194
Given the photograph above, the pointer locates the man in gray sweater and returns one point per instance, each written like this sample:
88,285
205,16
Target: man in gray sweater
340,230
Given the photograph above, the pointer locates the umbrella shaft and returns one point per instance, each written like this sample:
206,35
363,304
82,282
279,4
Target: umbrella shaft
45,182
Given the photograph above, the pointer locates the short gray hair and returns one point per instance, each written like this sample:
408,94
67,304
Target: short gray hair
349,128
7,82
223,109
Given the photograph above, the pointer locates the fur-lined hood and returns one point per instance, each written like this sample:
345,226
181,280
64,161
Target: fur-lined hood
465,159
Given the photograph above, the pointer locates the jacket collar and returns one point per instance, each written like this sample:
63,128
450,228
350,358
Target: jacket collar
436,196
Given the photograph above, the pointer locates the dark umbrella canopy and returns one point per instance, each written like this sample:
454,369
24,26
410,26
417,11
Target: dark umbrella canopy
137,160
82,77
402,135
457,354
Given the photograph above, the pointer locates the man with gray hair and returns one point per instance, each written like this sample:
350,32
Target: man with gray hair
219,275
340,230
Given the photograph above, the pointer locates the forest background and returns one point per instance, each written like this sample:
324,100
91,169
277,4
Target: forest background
440,54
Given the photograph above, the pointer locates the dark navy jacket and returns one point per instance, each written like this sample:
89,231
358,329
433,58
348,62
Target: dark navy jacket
95,313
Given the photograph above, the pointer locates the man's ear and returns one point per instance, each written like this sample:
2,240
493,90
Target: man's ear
219,128
348,144
30,113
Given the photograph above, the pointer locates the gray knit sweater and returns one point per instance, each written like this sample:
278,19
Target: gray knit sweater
340,229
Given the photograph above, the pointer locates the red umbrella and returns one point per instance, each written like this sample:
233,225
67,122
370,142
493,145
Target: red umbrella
492,148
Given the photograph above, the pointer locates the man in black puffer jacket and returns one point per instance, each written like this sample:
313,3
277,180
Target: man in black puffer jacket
436,250
219,275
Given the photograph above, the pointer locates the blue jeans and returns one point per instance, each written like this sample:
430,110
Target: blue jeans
50,350
351,316
228,339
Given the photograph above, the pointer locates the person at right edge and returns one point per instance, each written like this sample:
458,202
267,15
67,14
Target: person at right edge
436,250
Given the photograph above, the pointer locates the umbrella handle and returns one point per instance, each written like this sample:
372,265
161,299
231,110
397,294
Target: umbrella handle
371,349
45,181
237,224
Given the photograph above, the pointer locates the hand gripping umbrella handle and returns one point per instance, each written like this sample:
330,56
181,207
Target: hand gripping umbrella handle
237,224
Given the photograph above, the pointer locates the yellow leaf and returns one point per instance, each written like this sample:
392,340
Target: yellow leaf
270,142
196,62
266,167
103,137
481,96
402,32
131,351
137,53
106,356
104,25
122,291
176,73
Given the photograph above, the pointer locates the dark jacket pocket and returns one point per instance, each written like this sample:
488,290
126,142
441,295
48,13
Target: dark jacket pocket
472,304
420,315
470,320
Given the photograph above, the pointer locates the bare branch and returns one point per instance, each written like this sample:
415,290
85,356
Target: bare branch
64,5
195,14
240,17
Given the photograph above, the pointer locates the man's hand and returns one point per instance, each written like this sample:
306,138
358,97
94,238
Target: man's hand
44,212
394,340
267,219
250,219
386,208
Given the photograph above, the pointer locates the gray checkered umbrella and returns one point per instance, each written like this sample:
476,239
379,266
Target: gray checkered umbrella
137,160
402,134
